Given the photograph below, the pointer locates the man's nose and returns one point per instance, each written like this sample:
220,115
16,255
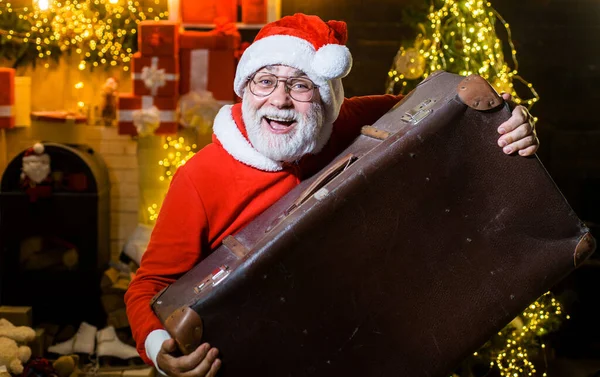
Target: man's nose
280,97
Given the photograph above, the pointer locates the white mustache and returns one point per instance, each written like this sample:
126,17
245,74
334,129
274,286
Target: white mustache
285,115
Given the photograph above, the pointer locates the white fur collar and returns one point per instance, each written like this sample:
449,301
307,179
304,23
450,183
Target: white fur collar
237,145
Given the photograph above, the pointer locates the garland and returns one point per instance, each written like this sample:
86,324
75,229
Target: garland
101,32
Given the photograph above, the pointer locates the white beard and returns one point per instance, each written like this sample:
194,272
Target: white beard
288,147
36,169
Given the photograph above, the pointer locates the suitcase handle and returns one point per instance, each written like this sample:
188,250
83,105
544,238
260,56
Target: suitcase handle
323,179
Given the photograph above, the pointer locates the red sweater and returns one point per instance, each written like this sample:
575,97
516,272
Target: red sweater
214,195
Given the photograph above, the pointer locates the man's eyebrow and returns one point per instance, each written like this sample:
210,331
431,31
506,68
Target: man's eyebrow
297,72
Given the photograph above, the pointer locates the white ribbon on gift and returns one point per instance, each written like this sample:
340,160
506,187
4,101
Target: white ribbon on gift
198,70
147,103
6,111
153,77
146,121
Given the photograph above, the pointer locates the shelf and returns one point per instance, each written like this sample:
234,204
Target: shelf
239,25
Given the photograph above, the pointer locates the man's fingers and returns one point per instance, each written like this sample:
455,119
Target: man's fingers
519,133
214,368
522,144
519,116
193,360
205,366
530,150
506,96
168,346
182,365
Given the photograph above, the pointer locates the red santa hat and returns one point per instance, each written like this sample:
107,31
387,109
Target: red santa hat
306,43
35,152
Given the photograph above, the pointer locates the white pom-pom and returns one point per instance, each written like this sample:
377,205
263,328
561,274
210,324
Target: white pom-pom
38,148
332,61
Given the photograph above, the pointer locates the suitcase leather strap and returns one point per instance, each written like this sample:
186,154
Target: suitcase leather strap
235,246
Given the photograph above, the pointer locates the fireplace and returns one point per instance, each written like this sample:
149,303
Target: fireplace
55,245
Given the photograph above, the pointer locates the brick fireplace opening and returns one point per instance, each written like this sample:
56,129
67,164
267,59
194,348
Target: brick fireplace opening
54,248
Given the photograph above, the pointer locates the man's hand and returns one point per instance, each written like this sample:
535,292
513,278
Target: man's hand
518,132
202,362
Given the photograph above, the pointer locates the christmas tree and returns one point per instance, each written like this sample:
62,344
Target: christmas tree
459,37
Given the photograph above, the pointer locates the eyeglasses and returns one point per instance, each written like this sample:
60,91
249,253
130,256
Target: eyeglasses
263,84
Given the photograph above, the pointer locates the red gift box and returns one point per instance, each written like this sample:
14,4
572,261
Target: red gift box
158,38
129,104
205,11
254,11
154,75
207,62
7,97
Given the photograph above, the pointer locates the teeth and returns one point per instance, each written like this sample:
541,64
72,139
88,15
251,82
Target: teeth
281,119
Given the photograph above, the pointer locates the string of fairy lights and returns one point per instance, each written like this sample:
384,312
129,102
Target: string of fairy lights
100,32
460,37
177,153
512,348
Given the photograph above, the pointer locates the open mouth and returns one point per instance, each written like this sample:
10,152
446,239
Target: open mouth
280,125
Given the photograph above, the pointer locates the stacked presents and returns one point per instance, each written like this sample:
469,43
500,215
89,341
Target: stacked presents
7,97
170,64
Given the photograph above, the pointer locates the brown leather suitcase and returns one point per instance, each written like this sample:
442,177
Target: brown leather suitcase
400,258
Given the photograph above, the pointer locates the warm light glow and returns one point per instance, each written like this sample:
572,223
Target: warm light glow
101,32
43,4
79,85
177,153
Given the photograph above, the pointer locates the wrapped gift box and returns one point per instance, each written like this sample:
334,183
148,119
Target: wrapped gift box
205,11
158,38
254,11
7,97
155,75
129,104
207,62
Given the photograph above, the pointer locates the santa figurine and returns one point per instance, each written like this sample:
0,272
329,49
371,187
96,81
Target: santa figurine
35,172
110,97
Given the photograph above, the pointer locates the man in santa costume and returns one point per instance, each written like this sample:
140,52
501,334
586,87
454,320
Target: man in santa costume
293,120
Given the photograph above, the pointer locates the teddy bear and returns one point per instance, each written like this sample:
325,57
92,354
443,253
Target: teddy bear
13,355
67,366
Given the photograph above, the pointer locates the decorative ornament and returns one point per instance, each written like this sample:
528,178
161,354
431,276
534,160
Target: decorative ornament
35,172
146,121
36,164
410,63
198,110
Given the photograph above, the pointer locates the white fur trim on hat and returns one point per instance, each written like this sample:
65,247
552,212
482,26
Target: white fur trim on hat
237,145
325,69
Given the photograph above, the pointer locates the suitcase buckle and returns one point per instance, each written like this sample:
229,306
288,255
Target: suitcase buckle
217,276
419,112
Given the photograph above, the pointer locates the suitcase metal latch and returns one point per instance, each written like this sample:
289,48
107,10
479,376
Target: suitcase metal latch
420,112
215,278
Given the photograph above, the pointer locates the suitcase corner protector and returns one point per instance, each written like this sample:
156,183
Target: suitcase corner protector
585,247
